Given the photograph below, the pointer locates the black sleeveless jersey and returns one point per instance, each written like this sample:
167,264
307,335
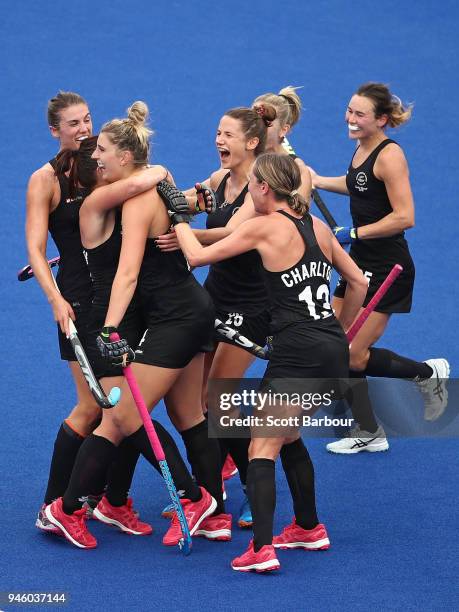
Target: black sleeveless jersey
370,203
160,270
235,284
102,263
64,226
301,293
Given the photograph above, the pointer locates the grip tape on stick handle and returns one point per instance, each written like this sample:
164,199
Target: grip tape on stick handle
380,293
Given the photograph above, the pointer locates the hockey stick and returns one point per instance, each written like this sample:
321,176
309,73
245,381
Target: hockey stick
355,327
329,218
185,542
98,393
239,340
27,272
95,387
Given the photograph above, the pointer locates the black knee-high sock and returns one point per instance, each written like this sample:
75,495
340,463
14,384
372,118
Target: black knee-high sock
121,473
299,471
261,491
223,450
222,445
385,363
179,472
66,447
358,399
238,448
204,456
89,474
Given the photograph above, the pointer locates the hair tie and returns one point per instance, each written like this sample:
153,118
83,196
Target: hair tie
293,193
260,110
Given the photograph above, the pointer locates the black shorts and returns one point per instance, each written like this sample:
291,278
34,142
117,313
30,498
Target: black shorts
255,327
399,296
180,324
81,309
305,350
130,329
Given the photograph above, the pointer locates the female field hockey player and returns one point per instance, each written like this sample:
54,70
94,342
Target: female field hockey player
54,199
179,323
382,208
297,252
235,285
51,209
101,254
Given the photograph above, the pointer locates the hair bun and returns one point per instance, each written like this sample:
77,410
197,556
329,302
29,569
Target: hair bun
137,113
266,111
269,114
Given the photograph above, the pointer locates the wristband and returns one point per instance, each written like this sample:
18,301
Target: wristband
107,330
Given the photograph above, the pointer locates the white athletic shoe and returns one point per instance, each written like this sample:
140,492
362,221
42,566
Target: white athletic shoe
434,389
359,440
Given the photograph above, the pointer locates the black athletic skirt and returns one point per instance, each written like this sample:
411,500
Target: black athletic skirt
255,327
81,309
376,266
306,350
179,324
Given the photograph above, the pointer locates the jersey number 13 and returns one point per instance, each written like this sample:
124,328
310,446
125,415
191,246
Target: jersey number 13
323,296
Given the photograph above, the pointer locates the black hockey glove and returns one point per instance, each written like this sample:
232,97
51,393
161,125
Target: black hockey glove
208,197
117,352
175,201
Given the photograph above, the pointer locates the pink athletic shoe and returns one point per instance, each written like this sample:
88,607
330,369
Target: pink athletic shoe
195,513
73,526
229,468
124,517
294,536
216,527
264,560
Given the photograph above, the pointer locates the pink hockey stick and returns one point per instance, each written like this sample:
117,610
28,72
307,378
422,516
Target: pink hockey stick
185,542
355,327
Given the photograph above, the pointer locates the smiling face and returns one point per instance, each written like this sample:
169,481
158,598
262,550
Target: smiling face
231,143
361,120
112,163
75,125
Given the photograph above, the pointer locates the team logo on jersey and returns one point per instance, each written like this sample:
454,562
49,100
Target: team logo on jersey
78,199
361,181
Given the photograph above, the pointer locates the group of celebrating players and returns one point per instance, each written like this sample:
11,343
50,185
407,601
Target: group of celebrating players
123,233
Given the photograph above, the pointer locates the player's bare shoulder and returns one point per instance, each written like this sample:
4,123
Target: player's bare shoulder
43,191
300,163
43,176
321,229
217,177
390,160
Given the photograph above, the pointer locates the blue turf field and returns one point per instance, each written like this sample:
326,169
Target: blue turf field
391,516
